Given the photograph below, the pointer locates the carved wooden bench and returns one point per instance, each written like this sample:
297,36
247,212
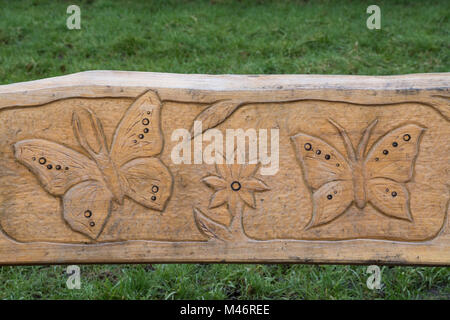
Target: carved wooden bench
123,167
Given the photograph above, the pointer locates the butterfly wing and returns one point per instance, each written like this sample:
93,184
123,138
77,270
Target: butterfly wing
321,163
393,155
147,181
390,197
62,171
86,207
330,201
57,167
138,133
329,176
389,165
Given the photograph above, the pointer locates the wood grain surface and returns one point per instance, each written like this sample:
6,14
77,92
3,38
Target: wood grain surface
356,169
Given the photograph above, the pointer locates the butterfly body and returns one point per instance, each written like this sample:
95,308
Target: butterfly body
89,184
377,177
359,184
111,177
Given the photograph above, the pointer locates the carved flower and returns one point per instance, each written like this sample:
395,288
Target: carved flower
234,184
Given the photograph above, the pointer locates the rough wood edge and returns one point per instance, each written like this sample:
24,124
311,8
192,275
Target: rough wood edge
429,89
228,82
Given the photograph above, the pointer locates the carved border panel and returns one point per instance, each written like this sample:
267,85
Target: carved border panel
346,169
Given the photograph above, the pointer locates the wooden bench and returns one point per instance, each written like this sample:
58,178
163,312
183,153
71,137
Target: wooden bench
125,167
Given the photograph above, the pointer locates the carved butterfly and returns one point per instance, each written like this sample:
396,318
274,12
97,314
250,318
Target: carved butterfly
378,177
88,185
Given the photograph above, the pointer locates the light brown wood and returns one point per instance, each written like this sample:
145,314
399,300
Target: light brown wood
87,173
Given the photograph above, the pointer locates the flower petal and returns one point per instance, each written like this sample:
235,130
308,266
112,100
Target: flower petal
254,184
223,171
215,182
235,169
249,170
248,197
218,198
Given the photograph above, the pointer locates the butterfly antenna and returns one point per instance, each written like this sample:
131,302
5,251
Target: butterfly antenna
365,139
348,143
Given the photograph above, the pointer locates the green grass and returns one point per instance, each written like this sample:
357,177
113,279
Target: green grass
217,281
222,37
215,37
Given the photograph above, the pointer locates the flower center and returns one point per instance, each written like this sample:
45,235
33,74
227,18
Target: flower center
235,186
